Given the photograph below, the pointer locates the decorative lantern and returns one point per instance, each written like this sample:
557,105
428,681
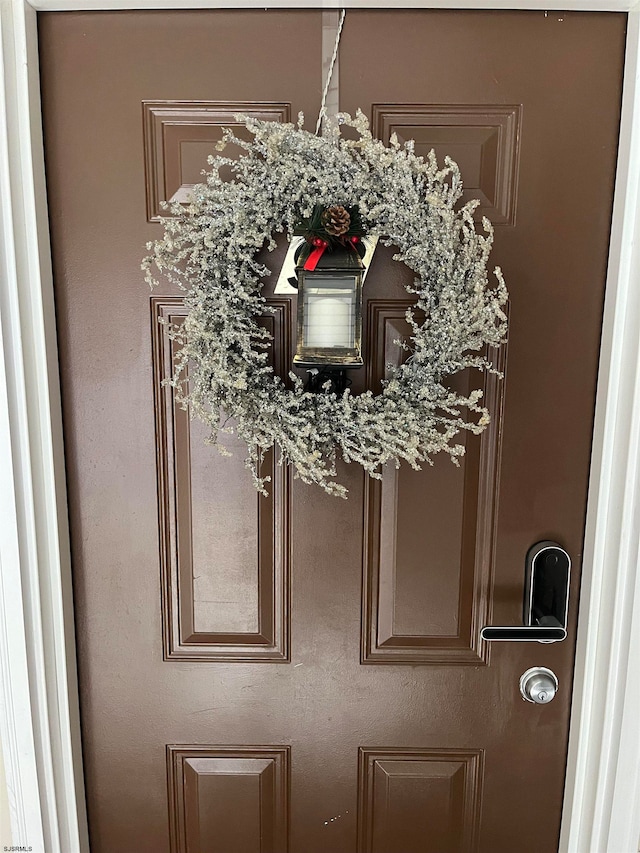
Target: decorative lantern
330,309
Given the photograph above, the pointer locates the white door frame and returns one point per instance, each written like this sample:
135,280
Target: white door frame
39,720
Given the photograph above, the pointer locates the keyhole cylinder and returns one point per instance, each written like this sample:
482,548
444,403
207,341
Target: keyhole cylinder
538,685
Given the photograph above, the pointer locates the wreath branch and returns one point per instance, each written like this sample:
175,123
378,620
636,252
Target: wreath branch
285,176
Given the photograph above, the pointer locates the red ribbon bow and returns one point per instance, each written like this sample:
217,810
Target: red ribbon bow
320,247
312,261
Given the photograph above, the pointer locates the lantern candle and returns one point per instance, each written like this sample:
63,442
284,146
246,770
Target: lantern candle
328,321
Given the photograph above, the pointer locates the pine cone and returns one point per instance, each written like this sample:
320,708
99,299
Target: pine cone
336,220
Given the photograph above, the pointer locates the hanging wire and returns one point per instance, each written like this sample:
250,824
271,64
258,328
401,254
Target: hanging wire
323,105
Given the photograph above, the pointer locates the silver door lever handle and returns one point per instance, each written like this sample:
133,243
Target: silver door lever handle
546,598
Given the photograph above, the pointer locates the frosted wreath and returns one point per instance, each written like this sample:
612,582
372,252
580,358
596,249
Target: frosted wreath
209,249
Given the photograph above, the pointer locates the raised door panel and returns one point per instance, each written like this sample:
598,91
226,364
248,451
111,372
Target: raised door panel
428,535
228,799
179,136
419,800
483,139
224,548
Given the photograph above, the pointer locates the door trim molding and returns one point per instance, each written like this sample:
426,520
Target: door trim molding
39,718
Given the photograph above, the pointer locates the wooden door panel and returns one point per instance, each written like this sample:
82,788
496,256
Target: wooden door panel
484,140
231,799
225,550
187,582
419,801
179,136
428,535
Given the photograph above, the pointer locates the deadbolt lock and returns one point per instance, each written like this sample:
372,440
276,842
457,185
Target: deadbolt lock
538,685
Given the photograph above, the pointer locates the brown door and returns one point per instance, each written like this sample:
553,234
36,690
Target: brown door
301,673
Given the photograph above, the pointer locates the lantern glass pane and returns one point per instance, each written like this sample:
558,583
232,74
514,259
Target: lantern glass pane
329,312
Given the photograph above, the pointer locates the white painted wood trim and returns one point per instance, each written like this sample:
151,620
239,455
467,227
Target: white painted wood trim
37,607
561,5
39,723
16,730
